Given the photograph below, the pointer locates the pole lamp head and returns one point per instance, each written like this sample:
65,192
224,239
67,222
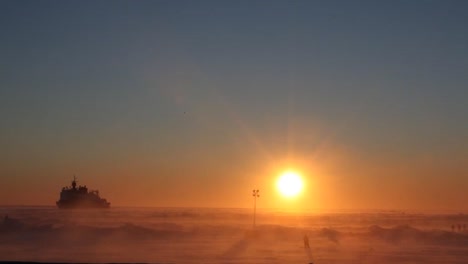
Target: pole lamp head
255,193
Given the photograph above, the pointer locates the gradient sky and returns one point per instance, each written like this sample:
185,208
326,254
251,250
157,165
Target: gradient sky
195,103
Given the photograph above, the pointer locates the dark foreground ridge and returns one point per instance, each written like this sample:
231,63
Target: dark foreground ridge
34,262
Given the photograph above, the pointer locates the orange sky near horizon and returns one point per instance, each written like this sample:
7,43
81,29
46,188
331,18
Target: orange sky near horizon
334,179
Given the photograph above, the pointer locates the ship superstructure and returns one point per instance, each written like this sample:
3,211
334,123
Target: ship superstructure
79,197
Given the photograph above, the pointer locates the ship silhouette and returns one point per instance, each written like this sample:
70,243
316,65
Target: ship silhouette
72,197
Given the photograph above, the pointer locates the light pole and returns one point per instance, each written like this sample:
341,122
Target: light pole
255,195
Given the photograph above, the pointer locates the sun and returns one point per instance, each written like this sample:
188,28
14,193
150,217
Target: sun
289,184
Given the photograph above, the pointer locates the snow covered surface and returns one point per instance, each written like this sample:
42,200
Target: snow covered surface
194,235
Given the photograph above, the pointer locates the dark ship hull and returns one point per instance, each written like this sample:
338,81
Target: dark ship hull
73,197
81,204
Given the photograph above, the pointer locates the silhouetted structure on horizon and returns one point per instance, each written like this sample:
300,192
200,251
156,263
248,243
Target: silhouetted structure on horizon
255,194
72,197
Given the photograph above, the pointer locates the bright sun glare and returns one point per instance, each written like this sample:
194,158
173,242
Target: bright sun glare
289,184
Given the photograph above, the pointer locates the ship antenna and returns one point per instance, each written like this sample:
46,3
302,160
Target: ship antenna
74,182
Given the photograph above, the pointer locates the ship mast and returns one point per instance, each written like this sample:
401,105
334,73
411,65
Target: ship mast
74,182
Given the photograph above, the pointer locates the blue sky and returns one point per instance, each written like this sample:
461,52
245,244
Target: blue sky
89,84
